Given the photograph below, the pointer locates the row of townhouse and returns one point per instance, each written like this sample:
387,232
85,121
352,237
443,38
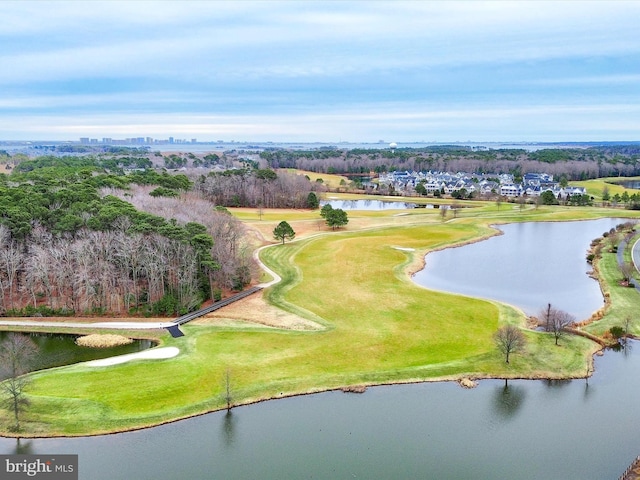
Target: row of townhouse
532,185
447,181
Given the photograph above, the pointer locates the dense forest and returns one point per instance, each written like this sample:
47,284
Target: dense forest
257,188
73,242
572,163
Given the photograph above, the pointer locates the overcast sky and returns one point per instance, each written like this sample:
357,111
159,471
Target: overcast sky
321,71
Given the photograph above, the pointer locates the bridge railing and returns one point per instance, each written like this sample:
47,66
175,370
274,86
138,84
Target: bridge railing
211,308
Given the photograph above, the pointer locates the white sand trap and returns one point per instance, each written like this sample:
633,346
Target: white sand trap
151,354
405,249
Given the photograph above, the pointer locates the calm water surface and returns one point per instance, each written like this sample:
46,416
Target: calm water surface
368,204
529,430
531,265
631,184
55,350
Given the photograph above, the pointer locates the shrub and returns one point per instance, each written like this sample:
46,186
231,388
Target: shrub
217,294
164,192
616,331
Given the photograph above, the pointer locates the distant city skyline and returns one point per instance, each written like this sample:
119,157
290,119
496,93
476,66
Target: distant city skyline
331,72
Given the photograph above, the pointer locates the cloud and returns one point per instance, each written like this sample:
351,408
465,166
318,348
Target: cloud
366,123
599,80
254,63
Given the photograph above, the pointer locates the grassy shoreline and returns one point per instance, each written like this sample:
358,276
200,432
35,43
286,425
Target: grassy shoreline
380,328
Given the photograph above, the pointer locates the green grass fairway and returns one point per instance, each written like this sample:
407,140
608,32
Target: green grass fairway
379,327
596,186
331,180
625,301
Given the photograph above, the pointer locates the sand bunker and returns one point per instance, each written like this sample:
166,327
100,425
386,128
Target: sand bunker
151,354
405,249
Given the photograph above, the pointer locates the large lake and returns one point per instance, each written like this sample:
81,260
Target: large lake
528,430
531,265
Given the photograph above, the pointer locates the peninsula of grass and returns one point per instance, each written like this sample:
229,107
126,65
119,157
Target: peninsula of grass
623,300
378,327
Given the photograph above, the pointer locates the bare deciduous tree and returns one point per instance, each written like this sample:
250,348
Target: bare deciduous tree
11,260
18,354
227,389
561,322
546,316
627,269
509,339
556,321
613,239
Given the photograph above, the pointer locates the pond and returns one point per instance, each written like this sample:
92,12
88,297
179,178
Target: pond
368,204
531,265
55,350
631,184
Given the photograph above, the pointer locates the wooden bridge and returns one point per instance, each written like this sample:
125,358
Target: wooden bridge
174,328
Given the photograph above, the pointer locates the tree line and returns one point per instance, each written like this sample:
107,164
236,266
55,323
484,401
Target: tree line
257,188
98,272
572,163
71,243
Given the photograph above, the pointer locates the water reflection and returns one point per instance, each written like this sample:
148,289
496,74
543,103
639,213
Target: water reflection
22,447
587,391
55,349
508,399
555,383
228,428
368,204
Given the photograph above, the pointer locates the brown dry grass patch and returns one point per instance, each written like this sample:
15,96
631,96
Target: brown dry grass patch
103,341
255,310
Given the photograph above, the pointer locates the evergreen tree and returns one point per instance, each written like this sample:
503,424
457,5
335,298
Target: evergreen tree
283,231
312,201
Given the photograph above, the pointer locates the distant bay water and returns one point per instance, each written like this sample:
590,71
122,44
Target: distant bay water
35,148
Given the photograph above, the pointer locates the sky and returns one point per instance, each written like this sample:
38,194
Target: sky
330,71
